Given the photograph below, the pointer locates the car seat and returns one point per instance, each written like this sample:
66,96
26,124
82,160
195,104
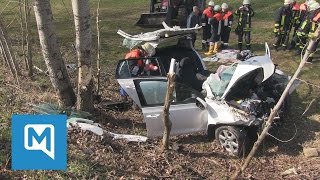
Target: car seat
186,72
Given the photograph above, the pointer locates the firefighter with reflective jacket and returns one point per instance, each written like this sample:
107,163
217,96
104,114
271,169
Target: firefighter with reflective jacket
282,24
304,9
315,20
302,34
216,25
206,28
245,13
295,22
299,22
226,25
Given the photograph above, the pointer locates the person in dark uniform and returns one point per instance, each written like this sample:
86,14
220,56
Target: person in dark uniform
245,14
226,25
216,26
315,20
295,22
301,36
193,20
283,19
206,28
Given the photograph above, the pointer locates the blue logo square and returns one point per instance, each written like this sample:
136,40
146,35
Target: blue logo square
39,142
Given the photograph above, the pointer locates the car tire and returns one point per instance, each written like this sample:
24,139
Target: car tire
233,139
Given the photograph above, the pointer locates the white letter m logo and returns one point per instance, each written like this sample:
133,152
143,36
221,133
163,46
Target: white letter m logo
40,137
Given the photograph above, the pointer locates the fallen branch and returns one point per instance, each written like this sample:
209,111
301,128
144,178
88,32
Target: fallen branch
7,53
308,107
40,70
274,111
304,81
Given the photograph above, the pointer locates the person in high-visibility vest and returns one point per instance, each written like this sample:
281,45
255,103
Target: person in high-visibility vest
303,31
295,22
206,28
245,14
315,20
226,25
300,17
282,25
216,25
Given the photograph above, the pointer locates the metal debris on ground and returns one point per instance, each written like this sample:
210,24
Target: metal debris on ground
96,128
289,172
80,119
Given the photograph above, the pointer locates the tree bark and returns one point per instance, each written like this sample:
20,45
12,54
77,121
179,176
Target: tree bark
166,114
21,5
28,39
277,107
81,12
51,53
98,50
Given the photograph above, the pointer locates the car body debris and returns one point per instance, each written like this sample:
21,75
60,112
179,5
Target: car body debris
96,128
79,119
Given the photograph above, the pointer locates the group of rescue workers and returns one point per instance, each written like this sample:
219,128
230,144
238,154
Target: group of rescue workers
302,20
216,22
292,18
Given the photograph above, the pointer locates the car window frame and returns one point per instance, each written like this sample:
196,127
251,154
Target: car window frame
120,63
142,98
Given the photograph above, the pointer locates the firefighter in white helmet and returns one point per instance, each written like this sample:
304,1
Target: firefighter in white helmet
206,28
226,25
215,22
245,14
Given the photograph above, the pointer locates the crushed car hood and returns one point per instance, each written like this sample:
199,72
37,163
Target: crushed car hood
245,68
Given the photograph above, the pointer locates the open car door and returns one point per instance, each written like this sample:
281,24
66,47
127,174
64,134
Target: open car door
187,112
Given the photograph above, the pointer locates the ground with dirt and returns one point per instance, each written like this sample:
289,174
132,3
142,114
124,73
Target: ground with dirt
191,156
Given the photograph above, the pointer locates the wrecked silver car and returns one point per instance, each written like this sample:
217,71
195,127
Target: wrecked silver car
228,105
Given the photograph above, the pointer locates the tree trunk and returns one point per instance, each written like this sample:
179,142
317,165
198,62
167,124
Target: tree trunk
7,52
28,54
81,12
51,53
98,50
21,5
166,114
277,107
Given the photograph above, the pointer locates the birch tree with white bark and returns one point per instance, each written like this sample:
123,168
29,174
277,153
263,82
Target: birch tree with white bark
51,53
81,13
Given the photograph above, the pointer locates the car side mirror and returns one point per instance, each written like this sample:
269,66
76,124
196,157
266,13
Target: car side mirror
201,103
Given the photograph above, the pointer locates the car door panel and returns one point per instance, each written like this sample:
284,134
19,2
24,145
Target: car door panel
185,115
149,93
186,119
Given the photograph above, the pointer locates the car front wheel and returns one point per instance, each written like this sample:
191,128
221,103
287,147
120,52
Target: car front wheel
232,139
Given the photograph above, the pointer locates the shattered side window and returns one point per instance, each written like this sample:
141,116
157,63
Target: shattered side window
139,67
123,70
154,92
